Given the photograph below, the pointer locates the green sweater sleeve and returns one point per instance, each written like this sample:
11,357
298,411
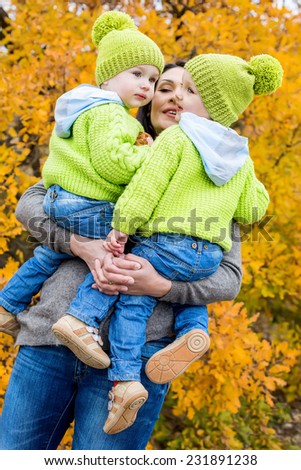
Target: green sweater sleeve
254,199
111,136
135,206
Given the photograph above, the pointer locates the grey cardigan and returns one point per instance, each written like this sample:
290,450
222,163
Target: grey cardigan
58,291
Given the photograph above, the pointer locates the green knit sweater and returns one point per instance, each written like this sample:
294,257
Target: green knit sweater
172,193
100,158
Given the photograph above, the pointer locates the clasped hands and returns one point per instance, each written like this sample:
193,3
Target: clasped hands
128,273
111,275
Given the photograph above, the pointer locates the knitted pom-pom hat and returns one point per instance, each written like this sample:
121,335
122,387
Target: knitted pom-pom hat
227,84
121,46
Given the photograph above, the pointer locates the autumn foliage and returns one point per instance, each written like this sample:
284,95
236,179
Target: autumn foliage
235,397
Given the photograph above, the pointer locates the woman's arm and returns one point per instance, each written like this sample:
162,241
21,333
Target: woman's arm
31,214
223,285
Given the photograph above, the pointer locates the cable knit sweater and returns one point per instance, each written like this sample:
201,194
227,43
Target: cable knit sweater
100,157
172,193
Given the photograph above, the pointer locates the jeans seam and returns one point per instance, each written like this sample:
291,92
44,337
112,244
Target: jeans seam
59,421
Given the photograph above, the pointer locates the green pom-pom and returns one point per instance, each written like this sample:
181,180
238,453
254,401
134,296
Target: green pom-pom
268,74
110,21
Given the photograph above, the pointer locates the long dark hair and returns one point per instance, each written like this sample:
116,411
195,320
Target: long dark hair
143,114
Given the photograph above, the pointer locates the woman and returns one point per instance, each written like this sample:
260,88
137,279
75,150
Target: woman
49,387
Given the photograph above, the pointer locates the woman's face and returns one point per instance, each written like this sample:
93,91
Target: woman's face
167,100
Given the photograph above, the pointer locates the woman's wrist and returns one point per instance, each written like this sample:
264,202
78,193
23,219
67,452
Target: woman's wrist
162,287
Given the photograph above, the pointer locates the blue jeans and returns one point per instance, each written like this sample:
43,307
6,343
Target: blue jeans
88,217
49,388
176,257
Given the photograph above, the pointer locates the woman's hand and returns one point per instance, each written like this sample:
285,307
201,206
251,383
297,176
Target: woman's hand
87,249
130,274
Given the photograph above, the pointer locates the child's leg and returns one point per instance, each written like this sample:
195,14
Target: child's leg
28,280
191,328
78,330
182,258
90,305
127,337
190,317
90,218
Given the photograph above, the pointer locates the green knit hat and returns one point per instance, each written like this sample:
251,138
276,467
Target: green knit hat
227,84
121,46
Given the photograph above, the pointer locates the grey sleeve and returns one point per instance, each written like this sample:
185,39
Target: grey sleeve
224,284
30,213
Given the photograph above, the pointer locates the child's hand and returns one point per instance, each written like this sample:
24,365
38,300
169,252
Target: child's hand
115,242
144,138
149,140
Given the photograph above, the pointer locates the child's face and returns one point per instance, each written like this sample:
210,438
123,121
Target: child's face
135,86
192,102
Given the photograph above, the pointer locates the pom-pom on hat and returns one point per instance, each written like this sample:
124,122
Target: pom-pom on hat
227,84
122,46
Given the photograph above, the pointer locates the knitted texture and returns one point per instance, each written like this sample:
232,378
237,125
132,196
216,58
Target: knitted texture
121,46
227,84
90,163
172,193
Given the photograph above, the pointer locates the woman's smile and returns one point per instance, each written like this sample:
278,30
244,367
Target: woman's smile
167,101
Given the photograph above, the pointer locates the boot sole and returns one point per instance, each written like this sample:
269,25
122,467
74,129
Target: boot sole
126,415
172,361
79,351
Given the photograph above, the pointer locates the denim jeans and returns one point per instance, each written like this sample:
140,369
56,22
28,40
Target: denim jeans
176,257
88,217
49,388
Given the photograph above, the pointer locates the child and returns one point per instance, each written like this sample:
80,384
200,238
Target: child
92,157
180,205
